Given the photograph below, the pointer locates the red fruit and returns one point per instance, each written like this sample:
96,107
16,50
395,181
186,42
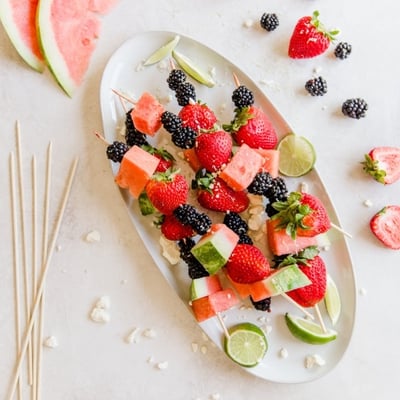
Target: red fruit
385,225
383,164
247,264
173,229
167,190
220,197
309,38
312,294
165,157
213,149
252,126
198,116
317,220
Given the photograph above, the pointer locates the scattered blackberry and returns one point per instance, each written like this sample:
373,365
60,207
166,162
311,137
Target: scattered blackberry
184,138
235,222
186,214
202,224
269,22
242,97
343,50
355,108
244,238
278,190
184,93
262,305
195,269
317,86
176,78
132,135
261,184
116,151
171,122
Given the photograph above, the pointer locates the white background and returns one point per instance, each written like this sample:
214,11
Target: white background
93,361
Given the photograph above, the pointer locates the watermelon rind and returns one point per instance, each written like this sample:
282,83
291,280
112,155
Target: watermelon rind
51,52
7,20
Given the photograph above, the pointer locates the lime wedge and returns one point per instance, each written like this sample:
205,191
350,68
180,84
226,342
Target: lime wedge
308,331
246,344
163,51
193,70
296,155
332,300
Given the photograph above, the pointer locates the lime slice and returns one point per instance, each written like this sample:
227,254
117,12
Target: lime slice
246,344
308,331
332,300
193,70
296,155
162,52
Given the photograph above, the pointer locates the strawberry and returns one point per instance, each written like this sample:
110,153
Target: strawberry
252,126
301,214
165,157
198,116
247,264
213,149
313,293
167,190
310,38
214,194
385,225
383,164
173,229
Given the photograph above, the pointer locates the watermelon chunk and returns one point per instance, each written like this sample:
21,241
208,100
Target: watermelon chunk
242,168
204,286
281,243
208,307
271,161
146,115
137,167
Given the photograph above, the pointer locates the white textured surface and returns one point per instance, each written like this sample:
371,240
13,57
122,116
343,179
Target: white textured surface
94,361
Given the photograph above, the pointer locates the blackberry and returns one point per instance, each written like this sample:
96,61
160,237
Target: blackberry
171,122
132,135
235,222
196,270
186,214
185,245
317,86
244,238
270,210
184,138
202,224
184,93
269,22
278,190
242,97
343,50
262,305
261,183
176,78
116,151
355,108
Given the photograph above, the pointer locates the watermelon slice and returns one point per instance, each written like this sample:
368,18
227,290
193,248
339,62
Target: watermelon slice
19,20
67,31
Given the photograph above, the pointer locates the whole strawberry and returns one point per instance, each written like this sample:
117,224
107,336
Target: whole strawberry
173,229
301,214
198,116
165,157
167,190
383,164
310,38
213,149
214,194
252,126
385,225
247,264
310,295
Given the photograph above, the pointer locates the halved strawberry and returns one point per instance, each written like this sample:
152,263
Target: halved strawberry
310,38
383,164
385,225
247,264
213,149
198,116
252,126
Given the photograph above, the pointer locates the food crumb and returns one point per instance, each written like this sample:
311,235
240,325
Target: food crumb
93,236
283,353
368,203
203,349
100,312
131,336
162,365
248,23
363,291
314,359
215,396
195,347
149,333
50,342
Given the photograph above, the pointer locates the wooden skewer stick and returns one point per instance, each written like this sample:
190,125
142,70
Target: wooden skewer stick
42,279
44,256
23,241
320,319
223,326
101,137
308,314
339,229
236,79
123,96
17,293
